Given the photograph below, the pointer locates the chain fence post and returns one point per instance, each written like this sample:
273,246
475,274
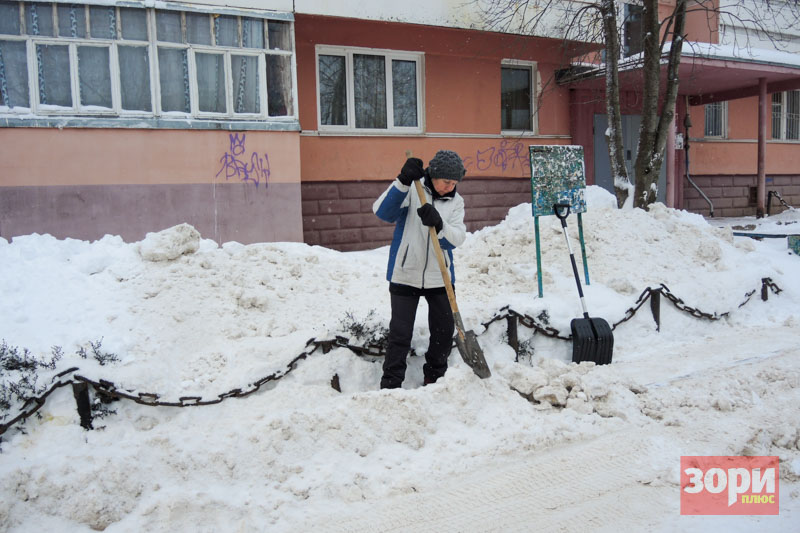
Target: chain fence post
655,306
513,338
80,391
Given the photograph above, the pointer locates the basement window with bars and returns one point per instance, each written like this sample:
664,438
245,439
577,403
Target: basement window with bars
369,91
716,120
786,115
112,61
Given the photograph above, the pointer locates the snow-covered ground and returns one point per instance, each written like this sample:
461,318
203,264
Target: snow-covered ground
542,445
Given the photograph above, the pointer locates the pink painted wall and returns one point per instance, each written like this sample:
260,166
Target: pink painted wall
737,154
84,183
86,156
461,95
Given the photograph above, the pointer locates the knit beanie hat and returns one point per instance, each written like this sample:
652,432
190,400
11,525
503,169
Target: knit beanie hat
446,165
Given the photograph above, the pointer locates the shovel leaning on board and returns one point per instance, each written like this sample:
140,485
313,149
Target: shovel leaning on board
592,338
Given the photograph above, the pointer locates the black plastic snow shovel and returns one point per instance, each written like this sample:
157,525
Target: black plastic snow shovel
466,341
592,339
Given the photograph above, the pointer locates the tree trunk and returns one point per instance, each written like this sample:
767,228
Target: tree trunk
619,174
656,123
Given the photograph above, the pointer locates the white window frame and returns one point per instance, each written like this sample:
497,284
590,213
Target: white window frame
723,120
229,103
535,91
74,75
152,44
783,117
389,55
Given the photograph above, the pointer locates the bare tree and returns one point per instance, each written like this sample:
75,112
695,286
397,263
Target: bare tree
580,21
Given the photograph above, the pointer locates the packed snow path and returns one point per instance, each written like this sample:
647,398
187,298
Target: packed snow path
627,479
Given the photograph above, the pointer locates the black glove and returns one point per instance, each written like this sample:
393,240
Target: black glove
412,170
430,217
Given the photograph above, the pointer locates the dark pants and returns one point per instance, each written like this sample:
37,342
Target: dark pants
401,328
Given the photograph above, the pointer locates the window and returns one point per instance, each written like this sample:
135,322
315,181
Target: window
786,115
716,123
368,90
93,60
517,90
632,30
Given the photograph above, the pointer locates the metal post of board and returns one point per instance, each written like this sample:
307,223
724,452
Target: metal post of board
583,249
538,254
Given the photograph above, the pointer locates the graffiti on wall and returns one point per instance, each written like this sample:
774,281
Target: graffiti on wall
508,156
236,163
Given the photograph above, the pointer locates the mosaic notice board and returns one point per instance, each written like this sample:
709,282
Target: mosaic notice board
557,176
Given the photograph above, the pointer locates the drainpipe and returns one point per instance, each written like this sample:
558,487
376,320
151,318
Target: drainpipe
687,123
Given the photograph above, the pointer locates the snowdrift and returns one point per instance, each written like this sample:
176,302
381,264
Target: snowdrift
188,317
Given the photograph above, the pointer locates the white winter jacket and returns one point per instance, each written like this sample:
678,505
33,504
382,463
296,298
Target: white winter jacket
412,258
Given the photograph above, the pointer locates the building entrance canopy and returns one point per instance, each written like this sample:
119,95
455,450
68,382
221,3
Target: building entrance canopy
707,73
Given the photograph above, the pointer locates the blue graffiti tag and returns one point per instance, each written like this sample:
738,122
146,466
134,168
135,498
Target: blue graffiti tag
234,163
509,155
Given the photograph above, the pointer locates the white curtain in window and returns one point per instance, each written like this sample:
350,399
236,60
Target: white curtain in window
226,31
211,82
174,74
134,77
168,26
39,19
9,18
91,59
94,76
103,22
54,80
71,21
252,33
198,28
13,74
245,84
134,23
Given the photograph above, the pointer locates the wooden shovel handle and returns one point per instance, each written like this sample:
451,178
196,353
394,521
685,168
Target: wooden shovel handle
451,295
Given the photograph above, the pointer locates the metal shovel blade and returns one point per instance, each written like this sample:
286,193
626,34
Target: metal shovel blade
471,353
592,340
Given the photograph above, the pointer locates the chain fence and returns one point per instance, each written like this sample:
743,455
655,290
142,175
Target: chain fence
108,391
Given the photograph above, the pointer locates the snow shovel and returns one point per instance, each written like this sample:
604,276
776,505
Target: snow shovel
592,339
466,342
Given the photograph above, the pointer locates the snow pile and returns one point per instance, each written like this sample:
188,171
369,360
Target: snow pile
187,317
170,243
